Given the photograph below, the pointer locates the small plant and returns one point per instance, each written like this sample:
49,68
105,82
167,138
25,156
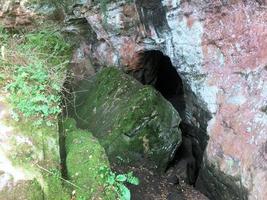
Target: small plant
29,92
33,69
117,182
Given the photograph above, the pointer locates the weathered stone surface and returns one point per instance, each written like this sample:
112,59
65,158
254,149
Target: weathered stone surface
219,48
133,122
29,159
85,158
14,15
81,66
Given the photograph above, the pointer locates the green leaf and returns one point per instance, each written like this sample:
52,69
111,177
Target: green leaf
111,179
132,179
34,85
125,193
121,178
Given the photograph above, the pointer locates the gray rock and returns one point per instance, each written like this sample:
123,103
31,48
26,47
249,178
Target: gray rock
132,121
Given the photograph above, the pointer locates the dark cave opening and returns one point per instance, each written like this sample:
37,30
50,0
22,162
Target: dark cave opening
152,67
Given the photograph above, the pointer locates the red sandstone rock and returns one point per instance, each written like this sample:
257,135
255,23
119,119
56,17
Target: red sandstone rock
220,48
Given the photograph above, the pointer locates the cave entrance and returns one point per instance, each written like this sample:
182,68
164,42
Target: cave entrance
152,67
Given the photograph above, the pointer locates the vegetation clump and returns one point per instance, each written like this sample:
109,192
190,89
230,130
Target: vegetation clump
32,71
130,120
118,181
88,167
33,68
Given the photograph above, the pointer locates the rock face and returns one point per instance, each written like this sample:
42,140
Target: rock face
219,50
133,122
29,159
85,158
30,164
13,15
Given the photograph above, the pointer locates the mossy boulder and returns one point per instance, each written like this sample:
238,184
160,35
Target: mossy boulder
29,160
132,122
85,158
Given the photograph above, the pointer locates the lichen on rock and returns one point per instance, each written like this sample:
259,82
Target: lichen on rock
131,121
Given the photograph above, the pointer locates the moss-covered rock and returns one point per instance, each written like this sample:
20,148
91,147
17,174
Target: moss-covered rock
132,121
29,160
85,157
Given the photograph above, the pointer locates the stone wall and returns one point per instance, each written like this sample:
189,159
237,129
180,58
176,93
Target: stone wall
218,47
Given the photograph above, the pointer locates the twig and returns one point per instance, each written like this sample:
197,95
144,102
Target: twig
58,177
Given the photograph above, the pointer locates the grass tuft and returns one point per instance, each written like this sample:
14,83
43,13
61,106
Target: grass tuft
33,68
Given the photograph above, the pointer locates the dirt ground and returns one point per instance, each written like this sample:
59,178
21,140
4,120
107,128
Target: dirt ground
155,186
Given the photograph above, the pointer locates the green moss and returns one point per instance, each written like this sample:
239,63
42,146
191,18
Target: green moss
55,189
130,120
85,156
35,151
34,71
35,191
43,147
30,190
40,143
